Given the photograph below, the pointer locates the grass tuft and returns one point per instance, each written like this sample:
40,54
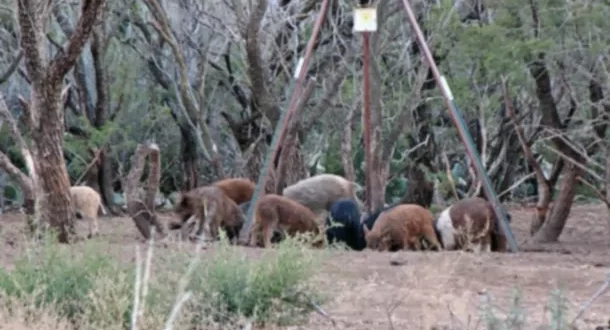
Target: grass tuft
83,286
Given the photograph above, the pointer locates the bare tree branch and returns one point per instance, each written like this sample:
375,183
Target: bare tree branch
292,135
256,73
66,60
25,182
143,211
30,20
402,119
193,111
346,143
544,188
11,68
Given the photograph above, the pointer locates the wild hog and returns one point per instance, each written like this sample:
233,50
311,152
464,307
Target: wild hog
277,234
240,190
86,202
346,214
402,227
220,212
354,237
470,224
275,212
370,219
319,192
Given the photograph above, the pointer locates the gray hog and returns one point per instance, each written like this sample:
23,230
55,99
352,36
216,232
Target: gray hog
319,192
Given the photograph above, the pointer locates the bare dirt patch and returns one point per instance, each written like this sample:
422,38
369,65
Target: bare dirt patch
365,292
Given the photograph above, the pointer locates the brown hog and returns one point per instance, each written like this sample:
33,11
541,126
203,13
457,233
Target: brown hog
402,227
212,209
319,192
240,190
470,224
275,212
86,202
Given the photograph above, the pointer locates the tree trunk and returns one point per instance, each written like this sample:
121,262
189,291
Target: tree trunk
54,204
105,180
92,174
608,182
99,177
419,190
189,158
45,115
346,145
141,207
105,174
253,164
379,172
556,219
292,166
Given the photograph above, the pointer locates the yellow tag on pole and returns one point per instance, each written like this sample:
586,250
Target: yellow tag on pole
365,19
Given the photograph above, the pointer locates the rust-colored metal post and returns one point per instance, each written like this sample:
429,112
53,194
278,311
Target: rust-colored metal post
366,91
280,129
460,124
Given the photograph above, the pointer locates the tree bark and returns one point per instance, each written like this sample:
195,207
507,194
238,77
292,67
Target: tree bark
192,109
544,187
419,190
26,182
380,167
608,181
291,167
53,205
378,173
106,177
551,228
253,164
102,109
560,211
142,208
188,148
260,93
45,114
346,145
92,173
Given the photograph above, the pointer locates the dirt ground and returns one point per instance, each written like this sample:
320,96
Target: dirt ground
431,288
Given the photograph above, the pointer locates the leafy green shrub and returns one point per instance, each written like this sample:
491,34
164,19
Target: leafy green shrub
87,287
50,276
271,288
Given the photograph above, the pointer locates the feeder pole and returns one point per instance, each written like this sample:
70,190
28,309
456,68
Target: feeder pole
366,91
365,21
463,132
282,125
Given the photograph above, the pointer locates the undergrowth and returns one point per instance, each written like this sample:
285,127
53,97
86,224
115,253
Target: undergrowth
83,287
514,316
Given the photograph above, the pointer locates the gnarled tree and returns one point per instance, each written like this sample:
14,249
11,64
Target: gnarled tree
142,208
44,113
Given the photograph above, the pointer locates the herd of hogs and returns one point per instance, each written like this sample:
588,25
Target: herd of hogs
322,203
